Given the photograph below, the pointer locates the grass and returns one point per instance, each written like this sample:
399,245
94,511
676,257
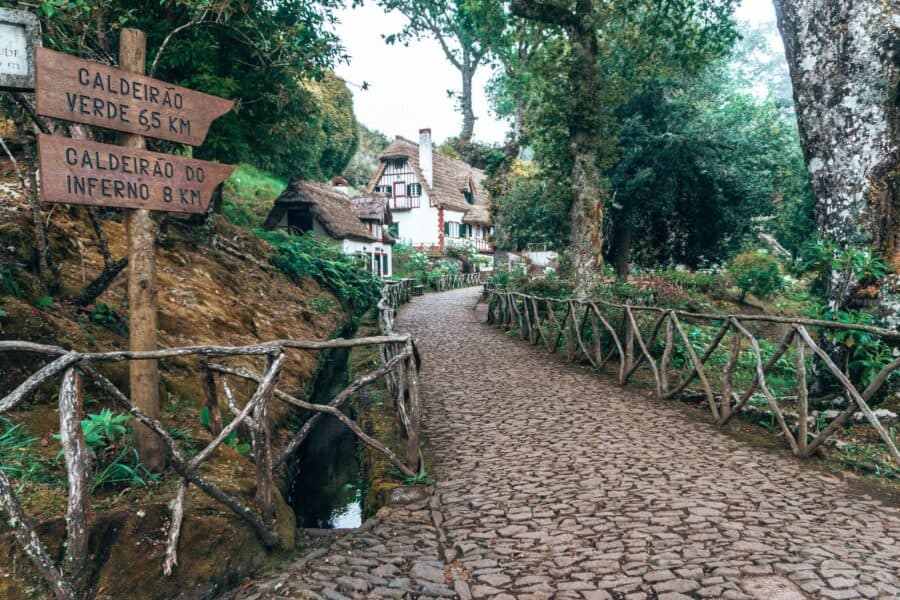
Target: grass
248,195
16,459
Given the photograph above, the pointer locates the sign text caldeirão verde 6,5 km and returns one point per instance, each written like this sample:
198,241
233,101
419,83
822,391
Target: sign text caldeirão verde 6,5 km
87,92
82,172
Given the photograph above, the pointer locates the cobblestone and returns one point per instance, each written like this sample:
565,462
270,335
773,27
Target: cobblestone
554,483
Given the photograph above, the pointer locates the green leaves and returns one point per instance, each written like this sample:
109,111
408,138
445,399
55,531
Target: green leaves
44,302
102,430
758,273
205,419
124,468
305,256
8,283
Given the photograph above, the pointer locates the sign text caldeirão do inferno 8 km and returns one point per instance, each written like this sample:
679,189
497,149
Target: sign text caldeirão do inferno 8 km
82,172
87,92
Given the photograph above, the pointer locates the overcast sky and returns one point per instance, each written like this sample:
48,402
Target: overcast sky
408,84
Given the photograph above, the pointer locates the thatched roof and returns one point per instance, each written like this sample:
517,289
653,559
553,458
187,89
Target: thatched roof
451,177
332,209
478,215
372,207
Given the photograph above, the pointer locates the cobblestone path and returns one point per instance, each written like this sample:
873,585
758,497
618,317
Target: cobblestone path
554,484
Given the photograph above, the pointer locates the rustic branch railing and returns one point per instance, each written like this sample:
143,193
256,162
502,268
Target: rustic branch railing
452,282
584,325
399,369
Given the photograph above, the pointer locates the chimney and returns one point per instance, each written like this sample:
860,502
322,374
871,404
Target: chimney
425,155
339,184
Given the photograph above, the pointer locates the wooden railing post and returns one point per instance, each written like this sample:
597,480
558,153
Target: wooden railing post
802,398
728,380
415,411
212,399
262,451
666,359
629,340
78,471
596,347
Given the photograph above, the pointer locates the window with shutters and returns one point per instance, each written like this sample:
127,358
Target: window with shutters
414,189
382,189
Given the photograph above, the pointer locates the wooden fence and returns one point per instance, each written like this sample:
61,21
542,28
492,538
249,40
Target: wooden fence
399,368
452,282
589,333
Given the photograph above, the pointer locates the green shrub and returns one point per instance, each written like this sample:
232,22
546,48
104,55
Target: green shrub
410,263
513,278
757,273
441,269
548,287
322,305
302,256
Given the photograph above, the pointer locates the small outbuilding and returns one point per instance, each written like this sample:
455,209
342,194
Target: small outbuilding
353,225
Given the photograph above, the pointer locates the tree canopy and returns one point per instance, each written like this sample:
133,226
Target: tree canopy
462,28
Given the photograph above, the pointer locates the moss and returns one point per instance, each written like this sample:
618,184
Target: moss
375,411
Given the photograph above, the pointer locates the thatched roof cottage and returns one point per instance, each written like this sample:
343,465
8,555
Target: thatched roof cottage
327,212
436,201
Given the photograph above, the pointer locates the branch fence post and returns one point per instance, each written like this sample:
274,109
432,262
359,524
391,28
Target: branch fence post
78,472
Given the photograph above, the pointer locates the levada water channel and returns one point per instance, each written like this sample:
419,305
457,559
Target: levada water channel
329,486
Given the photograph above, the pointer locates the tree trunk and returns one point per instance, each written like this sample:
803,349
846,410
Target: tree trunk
587,218
843,61
465,101
584,132
622,249
583,118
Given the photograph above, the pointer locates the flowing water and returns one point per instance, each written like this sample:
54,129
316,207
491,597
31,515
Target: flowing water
328,489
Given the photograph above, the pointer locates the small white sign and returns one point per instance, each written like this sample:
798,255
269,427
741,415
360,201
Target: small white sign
13,49
20,34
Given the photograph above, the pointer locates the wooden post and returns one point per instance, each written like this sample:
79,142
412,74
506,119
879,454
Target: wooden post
595,339
728,380
667,354
142,286
629,338
414,448
212,399
802,398
262,450
78,471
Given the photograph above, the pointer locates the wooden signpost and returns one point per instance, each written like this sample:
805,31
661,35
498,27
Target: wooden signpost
128,176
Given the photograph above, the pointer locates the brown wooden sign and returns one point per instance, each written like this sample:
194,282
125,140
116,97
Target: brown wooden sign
82,172
87,92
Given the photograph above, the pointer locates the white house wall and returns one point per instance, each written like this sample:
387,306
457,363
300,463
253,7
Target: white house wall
421,226
367,249
418,226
